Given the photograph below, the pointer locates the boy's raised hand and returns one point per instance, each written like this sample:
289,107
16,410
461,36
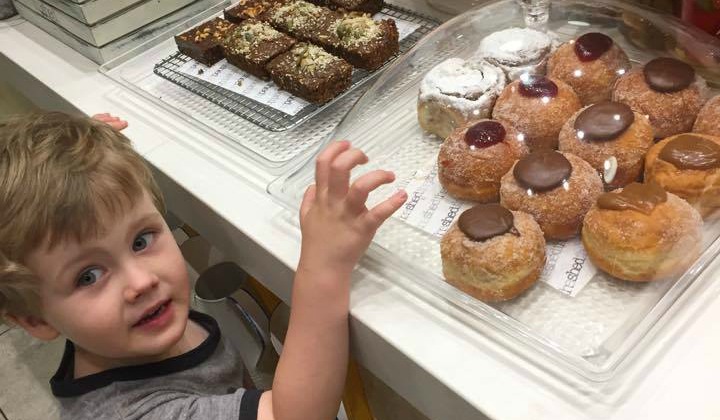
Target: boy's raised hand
336,225
112,121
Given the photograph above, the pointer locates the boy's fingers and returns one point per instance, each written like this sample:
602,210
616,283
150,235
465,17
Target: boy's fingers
340,171
307,201
364,185
118,125
382,211
324,160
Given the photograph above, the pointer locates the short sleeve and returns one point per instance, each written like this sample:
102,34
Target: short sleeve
241,404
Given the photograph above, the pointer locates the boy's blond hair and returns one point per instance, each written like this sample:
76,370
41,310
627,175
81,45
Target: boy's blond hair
61,176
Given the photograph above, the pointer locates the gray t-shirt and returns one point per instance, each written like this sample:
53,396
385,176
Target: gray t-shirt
204,383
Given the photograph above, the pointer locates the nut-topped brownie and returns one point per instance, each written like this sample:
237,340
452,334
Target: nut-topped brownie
364,42
304,21
250,9
311,73
366,6
252,44
202,43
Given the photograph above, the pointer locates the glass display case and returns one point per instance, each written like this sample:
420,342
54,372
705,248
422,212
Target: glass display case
590,332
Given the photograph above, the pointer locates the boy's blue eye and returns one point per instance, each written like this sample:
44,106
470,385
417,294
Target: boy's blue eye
143,241
89,276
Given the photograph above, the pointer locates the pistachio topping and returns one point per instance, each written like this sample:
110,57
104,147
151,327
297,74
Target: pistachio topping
297,15
355,29
248,35
311,58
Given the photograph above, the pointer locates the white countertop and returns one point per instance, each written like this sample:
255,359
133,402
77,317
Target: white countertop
443,367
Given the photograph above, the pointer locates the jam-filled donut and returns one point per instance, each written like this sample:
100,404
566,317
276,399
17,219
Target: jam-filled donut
517,51
557,189
688,165
591,65
493,254
456,92
538,107
610,137
474,158
666,90
642,233
708,120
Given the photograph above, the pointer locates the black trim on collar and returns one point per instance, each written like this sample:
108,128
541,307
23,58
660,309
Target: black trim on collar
64,385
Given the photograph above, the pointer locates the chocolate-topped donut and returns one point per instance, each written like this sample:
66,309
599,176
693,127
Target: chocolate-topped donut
493,254
557,189
612,138
590,65
666,90
538,107
542,170
485,221
474,157
603,121
668,74
687,165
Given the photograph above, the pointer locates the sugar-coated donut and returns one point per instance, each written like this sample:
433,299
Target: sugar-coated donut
590,64
610,137
666,90
538,107
557,189
473,158
456,92
642,233
493,254
517,51
708,120
687,165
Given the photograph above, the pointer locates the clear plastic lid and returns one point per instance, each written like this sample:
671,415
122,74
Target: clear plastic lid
507,84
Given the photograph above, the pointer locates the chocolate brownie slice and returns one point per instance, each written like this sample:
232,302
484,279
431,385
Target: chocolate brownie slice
304,21
202,43
250,9
252,44
311,73
366,6
364,42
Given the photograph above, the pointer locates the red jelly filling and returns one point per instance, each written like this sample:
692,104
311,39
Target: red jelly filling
485,134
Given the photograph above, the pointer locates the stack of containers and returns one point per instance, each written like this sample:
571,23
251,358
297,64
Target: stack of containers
104,29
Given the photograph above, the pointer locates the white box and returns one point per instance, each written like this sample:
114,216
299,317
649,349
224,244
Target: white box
113,27
122,45
91,11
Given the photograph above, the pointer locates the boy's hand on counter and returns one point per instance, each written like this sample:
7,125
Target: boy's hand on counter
336,225
113,122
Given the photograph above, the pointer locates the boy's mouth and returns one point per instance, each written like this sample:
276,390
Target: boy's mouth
153,313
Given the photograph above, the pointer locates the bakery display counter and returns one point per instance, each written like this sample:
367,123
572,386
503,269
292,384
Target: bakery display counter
574,76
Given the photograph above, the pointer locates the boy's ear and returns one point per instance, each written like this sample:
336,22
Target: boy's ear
35,326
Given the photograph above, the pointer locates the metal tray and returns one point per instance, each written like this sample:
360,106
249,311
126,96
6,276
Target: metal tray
208,106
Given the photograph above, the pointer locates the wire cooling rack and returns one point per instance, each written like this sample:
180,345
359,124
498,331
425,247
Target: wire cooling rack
270,118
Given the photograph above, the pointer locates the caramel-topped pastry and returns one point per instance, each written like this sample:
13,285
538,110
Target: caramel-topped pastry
557,189
636,196
642,233
493,254
474,157
486,221
690,151
538,107
688,165
590,65
612,138
666,90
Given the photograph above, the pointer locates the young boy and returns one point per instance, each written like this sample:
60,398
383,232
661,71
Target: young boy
85,253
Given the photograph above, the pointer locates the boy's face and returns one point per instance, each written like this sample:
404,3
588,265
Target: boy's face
123,296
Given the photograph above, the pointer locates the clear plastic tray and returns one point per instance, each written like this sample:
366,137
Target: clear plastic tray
218,112
592,333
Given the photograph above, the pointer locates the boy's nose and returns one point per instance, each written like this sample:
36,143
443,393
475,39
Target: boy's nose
139,280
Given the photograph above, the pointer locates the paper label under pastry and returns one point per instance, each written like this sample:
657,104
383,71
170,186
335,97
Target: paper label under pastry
229,77
430,208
